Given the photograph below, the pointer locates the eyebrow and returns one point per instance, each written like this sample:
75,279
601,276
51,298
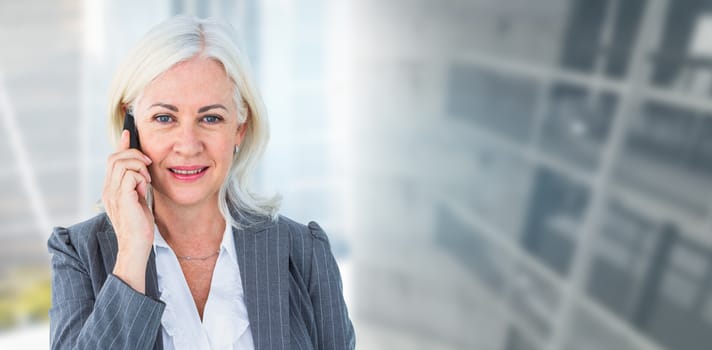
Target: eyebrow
165,105
200,110
207,108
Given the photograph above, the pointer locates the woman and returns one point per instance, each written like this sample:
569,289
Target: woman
186,257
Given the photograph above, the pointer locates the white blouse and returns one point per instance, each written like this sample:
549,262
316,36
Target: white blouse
225,324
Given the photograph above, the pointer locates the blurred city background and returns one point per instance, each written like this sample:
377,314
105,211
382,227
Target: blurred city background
493,174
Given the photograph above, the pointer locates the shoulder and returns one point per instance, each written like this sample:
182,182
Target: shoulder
303,239
283,231
288,228
79,237
312,230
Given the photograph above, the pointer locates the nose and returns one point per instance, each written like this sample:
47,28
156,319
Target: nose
188,141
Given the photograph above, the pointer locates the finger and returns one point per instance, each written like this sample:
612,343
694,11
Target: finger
120,169
124,141
142,189
125,144
129,186
115,171
130,153
137,165
136,187
134,166
123,155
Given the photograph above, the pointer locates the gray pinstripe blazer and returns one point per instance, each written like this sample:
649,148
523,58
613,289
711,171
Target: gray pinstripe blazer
292,284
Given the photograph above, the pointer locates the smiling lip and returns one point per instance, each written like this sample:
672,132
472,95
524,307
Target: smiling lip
188,173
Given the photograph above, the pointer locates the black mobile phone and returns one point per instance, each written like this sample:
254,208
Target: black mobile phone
130,125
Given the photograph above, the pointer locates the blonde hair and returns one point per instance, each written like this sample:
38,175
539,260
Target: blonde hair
182,38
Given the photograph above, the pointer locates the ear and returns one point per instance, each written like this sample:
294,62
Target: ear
240,134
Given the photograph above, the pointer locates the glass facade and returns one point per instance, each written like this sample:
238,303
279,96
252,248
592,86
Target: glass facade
492,174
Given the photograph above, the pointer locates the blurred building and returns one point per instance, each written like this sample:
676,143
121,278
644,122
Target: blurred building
505,174
39,103
534,175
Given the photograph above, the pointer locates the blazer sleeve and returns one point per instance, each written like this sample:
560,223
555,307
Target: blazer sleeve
334,329
117,317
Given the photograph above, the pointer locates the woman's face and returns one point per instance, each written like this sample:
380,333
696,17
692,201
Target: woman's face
187,122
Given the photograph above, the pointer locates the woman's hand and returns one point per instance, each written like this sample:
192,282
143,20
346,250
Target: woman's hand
124,194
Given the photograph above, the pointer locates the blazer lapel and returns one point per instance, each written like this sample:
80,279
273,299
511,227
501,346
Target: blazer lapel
263,258
152,291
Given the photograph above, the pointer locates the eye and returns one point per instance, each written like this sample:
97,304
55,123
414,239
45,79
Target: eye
163,118
212,119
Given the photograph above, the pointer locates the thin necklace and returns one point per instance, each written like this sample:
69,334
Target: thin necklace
202,258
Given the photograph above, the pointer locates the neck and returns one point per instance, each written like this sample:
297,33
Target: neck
200,226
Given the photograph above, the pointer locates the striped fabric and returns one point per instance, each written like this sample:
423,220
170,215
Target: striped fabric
292,284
